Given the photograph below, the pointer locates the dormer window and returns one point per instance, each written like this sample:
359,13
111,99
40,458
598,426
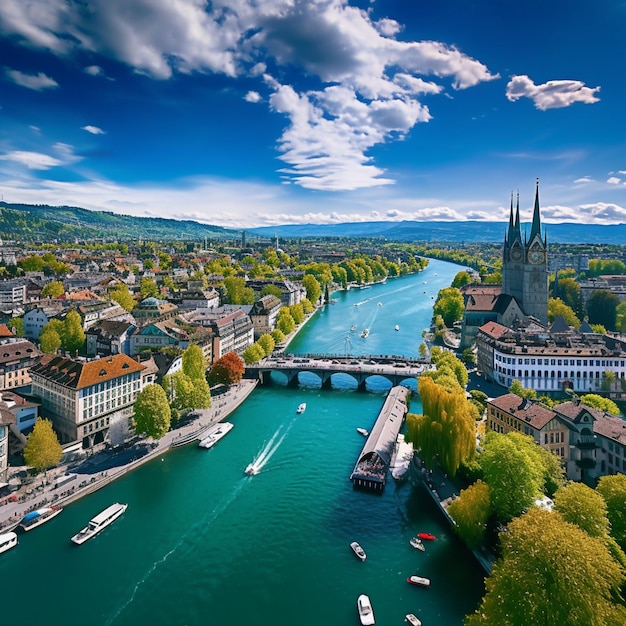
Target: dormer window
103,372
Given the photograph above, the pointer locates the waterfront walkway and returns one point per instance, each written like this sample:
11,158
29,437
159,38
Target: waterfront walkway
107,464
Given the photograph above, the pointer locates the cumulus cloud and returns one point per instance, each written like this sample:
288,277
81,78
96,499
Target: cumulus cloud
555,94
368,83
613,180
94,130
37,82
94,70
253,96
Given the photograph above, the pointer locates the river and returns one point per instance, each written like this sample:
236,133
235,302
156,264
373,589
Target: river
203,544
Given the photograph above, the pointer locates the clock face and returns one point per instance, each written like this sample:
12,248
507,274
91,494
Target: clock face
536,256
516,254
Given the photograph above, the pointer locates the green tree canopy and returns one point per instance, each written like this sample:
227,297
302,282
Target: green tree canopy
461,279
179,389
194,364
253,354
313,288
470,512
237,292
42,449
148,288
602,308
73,334
613,490
556,306
49,339
600,402
16,324
267,343
121,294
53,289
519,390
556,556
449,305
569,293
581,505
152,413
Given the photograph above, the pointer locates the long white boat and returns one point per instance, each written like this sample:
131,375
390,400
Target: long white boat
99,522
214,434
401,462
40,516
7,541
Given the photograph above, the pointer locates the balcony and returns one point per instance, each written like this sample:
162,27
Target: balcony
586,463
586,442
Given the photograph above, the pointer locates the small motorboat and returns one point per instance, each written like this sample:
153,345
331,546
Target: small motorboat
413,620
358,550
352,328
301,408
416,542
364,333
420,581
379,303
362,431
426,536
397,327
366,612
251,470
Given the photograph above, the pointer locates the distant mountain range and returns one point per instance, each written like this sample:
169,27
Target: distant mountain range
451,232
46,223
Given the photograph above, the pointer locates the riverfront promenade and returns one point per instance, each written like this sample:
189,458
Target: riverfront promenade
105,465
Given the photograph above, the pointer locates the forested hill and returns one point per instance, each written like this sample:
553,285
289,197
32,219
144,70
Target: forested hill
43,223
458,232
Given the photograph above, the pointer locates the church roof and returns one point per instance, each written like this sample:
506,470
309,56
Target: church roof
559,325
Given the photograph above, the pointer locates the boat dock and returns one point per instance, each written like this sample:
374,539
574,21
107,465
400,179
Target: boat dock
372,466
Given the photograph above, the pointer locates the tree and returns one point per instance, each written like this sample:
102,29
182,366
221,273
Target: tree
54,289
73,334
278,336
16,324
49,339
152,413
581,505
556,306
271,290
569,293
179,389
42,449
613,490
556,556
449,305
519,390
470,512
148,287
266,342
227,370
237,292
284,322
512,473
194,363
602,308
599,402
253,354
313,288
461,279
121,294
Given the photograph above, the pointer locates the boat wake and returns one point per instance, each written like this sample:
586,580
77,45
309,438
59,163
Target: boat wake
268,450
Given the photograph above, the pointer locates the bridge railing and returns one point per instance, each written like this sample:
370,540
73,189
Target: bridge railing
356,357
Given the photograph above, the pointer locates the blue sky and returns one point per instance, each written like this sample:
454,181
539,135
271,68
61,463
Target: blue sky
248,113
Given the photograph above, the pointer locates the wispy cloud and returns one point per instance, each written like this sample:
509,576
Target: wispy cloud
62,154
555,94
37,82
94,130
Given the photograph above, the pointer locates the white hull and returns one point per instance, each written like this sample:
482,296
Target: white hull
45,515
99,523
401,462
301,408
7,541
215,434
251,470
366,612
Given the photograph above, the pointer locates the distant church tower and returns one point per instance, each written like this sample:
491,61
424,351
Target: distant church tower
525,264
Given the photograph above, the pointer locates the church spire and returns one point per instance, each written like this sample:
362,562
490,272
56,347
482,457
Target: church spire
511,232
536,226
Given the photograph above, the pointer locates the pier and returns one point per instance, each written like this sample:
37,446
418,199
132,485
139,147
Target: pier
372,466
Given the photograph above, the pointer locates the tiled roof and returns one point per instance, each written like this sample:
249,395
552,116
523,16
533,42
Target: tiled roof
530,412
18,350
78,374
575,410
612,428
493,329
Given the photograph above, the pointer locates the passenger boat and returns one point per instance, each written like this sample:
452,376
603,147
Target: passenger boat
8,541
362,431
413,620
417,543
100,522
366,612
364,333
358,550
251,470
401,459
301,408
420,581
40,516
426,536
214,434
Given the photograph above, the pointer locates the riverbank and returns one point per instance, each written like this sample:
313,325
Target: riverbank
106,464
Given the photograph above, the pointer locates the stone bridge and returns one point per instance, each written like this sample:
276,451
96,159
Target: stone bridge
394,368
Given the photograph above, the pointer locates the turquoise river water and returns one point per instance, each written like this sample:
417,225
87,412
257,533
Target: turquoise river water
203,544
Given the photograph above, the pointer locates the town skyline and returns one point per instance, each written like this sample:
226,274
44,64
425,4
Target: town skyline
328,112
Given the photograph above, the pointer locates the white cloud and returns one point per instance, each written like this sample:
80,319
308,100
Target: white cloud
94,70
253,96
583,179
37,82
32,160
613,180
94,130
554,94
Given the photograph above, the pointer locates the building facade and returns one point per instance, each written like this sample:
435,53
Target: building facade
17,356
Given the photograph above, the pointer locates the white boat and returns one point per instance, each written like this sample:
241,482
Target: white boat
420,581
7,541
366,612
251,470
364,333
417,543
396,327
379,303
214,434
352,328
40,516
358,550
99,522
413,620
301,408
401,461
362,431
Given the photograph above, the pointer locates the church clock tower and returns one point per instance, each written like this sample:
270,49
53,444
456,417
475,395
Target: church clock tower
525,264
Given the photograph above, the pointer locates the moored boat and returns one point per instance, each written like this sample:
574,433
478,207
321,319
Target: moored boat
99,522
401,461
215,434
366,612
358,550
7,541
40,516
362,431
412,619
417,543
426,536
420,581
301,408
